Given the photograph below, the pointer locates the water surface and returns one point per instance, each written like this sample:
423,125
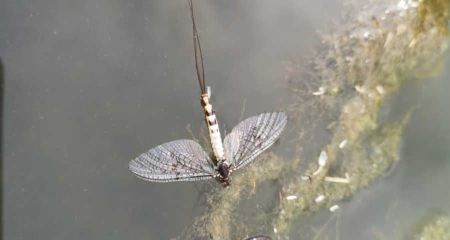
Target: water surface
92,84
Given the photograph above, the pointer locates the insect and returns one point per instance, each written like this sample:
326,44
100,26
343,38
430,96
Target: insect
185,160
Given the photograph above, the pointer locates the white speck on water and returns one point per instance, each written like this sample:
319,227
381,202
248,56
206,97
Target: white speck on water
291,197
360,89
402,5
323,157
319,199
380,89
343,143
275,230
366,34
334,208
319,92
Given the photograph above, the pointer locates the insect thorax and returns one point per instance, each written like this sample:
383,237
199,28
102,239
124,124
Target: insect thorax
223,169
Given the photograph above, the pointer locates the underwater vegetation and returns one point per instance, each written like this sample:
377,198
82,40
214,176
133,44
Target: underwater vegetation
341,143
435,227
435,13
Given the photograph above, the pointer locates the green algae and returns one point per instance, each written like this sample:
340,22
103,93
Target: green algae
435,13
434,227
358,67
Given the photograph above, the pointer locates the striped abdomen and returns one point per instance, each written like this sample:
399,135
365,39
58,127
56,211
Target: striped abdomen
213,128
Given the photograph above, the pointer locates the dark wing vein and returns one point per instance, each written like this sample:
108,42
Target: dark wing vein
252,136
180,160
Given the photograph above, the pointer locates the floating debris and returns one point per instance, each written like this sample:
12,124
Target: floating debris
345,180
323,157
343,144
319,198
259,237
380,89
291,197
402,5
319,92
334,208
322,161
361,89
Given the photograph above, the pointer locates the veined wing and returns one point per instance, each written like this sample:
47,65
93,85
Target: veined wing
252,136
180,160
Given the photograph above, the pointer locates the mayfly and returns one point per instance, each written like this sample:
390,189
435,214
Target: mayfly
185,160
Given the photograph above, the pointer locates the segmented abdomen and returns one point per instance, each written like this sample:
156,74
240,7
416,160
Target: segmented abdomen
216,139
213,127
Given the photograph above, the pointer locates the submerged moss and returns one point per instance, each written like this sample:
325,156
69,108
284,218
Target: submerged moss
356,67
436,227
435,12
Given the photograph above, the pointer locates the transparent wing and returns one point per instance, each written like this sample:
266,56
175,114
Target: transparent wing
180,160
252,136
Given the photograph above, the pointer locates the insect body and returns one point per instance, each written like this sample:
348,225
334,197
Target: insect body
185,160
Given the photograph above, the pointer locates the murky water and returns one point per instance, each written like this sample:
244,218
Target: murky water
91,84
415,189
